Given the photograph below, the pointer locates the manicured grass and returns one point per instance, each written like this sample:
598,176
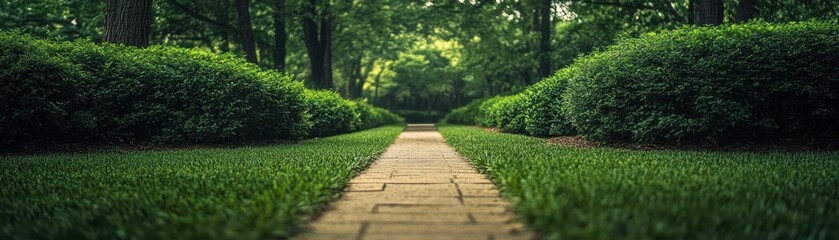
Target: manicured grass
607,193
239,193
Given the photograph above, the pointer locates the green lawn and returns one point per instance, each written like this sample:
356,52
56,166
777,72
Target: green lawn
239,193
607,193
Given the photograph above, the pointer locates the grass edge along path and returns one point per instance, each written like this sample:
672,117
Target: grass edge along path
606,193
222,193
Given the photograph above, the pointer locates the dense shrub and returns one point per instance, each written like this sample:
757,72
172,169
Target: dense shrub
465,115
735,83
370,116
86,91
37,89
330,113
506,113
543,112
731,83
485,117
420,116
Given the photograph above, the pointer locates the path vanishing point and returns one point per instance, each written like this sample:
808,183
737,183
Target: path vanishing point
419,188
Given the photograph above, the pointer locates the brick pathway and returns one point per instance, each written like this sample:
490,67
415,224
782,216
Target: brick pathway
419,189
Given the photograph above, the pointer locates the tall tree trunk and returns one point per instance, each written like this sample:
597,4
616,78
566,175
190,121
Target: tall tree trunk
545,39
746,10
353,78
525,75
326,40
376,82
707,12
128,22
280,36
313,46
225,41
318,44
364,72
244,20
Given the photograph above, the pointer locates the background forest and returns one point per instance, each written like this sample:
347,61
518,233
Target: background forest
419,58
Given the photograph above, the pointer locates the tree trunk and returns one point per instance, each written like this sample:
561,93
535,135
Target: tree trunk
280,37
313,46
128,22
244,20
353,78
364,72
545,39
708,12
376,82
746,10
525,75
326,40
318,44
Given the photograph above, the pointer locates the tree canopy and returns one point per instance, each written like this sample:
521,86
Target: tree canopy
428,55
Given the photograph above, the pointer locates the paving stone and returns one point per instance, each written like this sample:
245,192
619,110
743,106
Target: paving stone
354,187
448,208
403,180
471,180
391,199
420,228
328,236
432,217
425,236
419,188
479,192
484,200
336,228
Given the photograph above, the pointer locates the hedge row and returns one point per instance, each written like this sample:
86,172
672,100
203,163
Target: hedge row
86,91
735,83
331,114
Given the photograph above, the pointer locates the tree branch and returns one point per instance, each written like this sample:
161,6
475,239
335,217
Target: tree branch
196,15
665,7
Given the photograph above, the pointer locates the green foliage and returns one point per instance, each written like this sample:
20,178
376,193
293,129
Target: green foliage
536,111
370,116
331,114
506,113
566,193
419,116
465,115
543,113
84,91
162,94
731,83
484,118
223,193
39,89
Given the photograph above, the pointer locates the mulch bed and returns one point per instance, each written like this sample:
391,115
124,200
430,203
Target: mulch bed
787,145
800,144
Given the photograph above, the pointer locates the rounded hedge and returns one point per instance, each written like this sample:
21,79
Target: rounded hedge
370,116
330,113
714,84
543,109
507,113
86,91
465,115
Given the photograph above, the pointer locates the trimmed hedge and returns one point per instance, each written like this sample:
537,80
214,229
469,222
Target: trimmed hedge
330,113
86,91
507,113
543,112
465,115
370,116
735,83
